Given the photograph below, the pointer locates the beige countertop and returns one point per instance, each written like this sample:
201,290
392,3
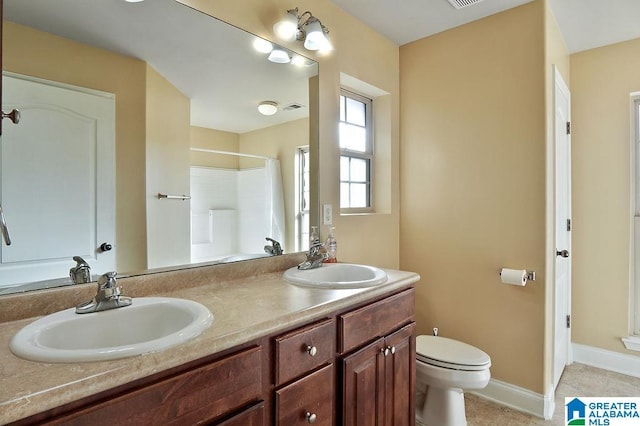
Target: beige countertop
245,305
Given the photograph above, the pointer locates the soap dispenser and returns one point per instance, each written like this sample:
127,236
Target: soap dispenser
331,246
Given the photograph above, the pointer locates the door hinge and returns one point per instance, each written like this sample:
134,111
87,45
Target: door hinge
568,225
568,127
568,321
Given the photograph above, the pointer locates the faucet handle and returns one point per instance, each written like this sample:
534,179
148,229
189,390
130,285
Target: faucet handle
275,249
107,280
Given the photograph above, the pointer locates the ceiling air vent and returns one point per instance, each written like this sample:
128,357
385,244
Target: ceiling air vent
292,107
459,4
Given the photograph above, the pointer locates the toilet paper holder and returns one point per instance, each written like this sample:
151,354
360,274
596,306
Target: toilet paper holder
530,275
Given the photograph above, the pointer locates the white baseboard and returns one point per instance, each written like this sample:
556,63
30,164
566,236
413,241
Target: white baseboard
607,360
518,398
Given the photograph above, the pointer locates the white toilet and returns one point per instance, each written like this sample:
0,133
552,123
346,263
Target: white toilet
444,368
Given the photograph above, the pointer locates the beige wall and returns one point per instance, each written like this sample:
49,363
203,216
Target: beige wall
363,54
42,55
473,185
168,221
202,137
601,81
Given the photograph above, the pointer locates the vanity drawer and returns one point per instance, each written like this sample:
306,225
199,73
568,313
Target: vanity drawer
375,320
308,400
304,349
196,396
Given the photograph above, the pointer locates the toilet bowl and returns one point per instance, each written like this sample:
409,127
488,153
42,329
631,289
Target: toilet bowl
444,369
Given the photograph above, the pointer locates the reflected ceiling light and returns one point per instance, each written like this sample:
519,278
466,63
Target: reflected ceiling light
262,45
279,56
267,107
306,28
299,61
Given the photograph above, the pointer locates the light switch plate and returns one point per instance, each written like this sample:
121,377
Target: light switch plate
327,214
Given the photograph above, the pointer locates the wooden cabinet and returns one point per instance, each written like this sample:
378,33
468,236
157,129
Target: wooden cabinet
379,379
353,367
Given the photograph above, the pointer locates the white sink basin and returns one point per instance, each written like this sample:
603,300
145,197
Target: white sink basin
150,324
337,275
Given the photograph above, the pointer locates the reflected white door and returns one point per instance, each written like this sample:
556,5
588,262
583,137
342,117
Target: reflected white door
57,179
562,334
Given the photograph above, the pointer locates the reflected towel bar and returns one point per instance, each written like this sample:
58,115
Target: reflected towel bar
174,197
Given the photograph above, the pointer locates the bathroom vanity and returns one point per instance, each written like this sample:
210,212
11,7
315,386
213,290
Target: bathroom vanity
276,354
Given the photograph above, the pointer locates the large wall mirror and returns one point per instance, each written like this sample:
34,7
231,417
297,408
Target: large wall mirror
141,146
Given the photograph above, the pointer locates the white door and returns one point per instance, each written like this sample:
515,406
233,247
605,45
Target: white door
57,180
563,227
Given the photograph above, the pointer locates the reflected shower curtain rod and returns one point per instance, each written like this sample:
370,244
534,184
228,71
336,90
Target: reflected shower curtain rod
215,151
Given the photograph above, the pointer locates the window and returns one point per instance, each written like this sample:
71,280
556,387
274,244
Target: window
302,199
356,152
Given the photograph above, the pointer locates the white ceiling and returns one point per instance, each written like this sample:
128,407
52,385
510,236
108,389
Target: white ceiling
585,24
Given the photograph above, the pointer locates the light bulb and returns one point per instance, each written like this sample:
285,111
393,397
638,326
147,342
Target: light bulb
315,39
287,28
262,45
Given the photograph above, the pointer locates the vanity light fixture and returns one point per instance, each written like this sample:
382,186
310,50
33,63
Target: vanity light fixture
267,107
304,27
279,56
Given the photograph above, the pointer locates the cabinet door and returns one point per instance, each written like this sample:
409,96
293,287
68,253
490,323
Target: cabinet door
400,367
364,382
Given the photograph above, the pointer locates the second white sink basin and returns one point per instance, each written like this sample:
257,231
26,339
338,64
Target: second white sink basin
150,324
337,275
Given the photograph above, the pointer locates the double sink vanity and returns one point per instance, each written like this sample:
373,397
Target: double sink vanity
265,344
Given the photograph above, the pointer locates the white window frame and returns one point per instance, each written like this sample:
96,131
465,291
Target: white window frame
633,341
302,211
368,155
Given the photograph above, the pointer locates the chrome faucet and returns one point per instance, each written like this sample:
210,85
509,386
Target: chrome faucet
107,297
316,255
3,228
275,249
81,273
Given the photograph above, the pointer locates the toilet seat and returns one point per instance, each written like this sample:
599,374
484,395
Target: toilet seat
451,354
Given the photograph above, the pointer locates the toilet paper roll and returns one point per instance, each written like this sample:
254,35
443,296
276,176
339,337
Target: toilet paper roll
514,276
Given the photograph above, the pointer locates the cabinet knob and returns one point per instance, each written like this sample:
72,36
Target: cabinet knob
311,417
392,349
14,115
312,350
385,351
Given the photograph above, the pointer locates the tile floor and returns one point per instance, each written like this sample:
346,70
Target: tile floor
577,380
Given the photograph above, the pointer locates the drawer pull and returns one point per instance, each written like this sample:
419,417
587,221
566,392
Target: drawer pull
311,417
389,350
312,350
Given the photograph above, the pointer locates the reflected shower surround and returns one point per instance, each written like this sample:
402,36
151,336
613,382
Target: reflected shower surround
233,211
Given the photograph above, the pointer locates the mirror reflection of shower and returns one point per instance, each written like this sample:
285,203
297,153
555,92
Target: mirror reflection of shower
234,210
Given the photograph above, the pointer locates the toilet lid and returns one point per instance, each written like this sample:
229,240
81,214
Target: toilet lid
449,353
